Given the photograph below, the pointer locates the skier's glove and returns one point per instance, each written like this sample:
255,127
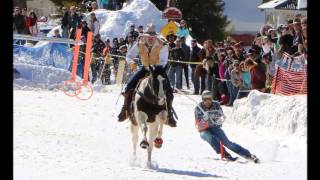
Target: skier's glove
133,66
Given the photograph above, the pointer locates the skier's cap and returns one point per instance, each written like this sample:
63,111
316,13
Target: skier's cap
206,94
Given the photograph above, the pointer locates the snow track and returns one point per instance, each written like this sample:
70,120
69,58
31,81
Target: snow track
58,137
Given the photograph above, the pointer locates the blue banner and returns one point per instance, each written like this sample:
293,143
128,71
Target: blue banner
51,54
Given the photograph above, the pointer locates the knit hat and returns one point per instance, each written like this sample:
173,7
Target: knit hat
206,94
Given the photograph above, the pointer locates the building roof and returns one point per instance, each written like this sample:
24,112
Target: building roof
271,4
284,4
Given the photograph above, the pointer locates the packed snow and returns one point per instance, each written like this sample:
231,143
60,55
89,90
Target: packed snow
60,137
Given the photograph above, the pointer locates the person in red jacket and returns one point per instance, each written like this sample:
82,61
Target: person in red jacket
32,23
257,74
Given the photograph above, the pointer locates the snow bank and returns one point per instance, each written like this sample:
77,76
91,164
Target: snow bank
34,76
281,114
138,12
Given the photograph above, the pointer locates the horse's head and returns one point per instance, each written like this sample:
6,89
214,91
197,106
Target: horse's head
157,83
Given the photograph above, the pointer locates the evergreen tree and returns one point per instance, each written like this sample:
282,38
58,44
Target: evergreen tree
205,17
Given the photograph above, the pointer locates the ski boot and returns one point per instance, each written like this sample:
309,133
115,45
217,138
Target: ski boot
254,158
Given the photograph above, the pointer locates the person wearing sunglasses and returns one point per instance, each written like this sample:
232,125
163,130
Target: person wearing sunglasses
208,120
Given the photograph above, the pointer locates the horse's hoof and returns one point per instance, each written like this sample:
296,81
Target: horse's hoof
158,142
144,144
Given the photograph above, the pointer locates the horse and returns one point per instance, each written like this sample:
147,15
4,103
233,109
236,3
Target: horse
149,112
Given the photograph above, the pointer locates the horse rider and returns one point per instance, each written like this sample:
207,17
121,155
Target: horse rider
152,51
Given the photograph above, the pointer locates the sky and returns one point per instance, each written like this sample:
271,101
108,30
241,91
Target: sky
244,14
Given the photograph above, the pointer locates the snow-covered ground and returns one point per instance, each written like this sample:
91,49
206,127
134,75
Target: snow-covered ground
59,137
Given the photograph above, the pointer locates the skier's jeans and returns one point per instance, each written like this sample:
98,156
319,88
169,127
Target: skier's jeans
214,135
175,73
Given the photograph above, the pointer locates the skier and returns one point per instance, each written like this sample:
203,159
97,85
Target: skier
208,115
153,51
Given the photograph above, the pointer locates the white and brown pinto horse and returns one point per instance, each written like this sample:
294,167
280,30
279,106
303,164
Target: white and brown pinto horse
149,112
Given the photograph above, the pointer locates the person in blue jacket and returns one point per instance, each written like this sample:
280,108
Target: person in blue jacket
183,30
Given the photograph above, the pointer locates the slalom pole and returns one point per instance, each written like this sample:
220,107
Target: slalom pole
75,56
86,68
87,58
72,81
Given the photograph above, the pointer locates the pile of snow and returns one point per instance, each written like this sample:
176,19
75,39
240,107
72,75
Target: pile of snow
138,12
37,74
117,23
280,114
